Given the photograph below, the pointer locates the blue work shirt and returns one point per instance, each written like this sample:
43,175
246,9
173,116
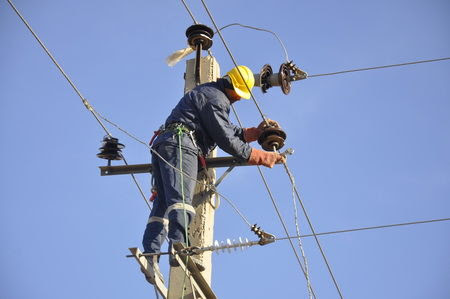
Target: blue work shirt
206,109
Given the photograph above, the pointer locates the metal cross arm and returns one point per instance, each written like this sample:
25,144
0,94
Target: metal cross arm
214,162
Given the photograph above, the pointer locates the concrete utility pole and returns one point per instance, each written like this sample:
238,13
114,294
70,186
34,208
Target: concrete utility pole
202,227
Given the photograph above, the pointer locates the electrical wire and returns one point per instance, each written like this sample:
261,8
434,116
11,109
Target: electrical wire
234,60
84,100
189,12
364,228
260,29
378,67
284,226
297,229
289,173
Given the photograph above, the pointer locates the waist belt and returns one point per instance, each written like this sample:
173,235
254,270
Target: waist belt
174,127
177,126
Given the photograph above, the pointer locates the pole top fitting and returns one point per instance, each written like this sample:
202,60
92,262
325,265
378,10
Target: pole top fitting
200,34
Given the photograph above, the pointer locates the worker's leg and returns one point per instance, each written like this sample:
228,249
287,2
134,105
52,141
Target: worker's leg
178,190
157,226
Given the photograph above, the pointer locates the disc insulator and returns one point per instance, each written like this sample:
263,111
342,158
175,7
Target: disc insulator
200,34
111,149
284,78
272,137
265,74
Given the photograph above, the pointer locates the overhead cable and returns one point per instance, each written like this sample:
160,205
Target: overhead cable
84,100
364,228
305,273
189,11
291,178
234,60
300,243
378,67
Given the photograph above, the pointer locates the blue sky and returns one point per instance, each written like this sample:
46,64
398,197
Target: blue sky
371,148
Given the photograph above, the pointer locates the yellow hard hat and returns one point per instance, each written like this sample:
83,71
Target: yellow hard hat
240,83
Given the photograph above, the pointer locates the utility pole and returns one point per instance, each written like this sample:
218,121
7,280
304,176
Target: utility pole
202,227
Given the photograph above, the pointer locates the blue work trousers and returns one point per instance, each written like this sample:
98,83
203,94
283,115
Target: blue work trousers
170,212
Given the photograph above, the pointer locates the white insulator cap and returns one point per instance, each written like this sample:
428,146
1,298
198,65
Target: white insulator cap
241,244
216,245
229,245
234,244
222,244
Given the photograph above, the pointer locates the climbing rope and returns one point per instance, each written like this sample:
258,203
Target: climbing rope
179,133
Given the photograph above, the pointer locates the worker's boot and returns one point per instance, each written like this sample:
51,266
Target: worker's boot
174,263
152,270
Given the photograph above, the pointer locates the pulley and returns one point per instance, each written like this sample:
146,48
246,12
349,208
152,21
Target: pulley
110,149
272,137
199,38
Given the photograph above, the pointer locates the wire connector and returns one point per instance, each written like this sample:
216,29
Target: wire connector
264,238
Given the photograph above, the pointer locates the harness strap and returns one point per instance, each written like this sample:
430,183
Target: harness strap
156,133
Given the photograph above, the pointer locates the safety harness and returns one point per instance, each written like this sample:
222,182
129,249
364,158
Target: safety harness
178,129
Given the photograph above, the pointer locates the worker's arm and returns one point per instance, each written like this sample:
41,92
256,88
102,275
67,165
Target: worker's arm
218,126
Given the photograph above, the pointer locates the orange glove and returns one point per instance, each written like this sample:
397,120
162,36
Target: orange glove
252,134
268,159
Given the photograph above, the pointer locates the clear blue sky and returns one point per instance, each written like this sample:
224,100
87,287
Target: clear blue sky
371,148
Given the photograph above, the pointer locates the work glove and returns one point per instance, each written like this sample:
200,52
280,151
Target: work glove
252,134
272,123
268,159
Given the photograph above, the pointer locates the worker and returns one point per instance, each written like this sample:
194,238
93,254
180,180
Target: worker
198,123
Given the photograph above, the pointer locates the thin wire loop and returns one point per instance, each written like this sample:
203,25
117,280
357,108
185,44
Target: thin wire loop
261,29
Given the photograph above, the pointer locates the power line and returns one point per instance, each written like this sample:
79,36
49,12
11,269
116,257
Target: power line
291,178
84,100
365,228
189,11
234,60
378,67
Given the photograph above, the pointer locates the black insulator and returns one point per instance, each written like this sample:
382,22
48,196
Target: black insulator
111,149
272,137
284,78
265,74
200,34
